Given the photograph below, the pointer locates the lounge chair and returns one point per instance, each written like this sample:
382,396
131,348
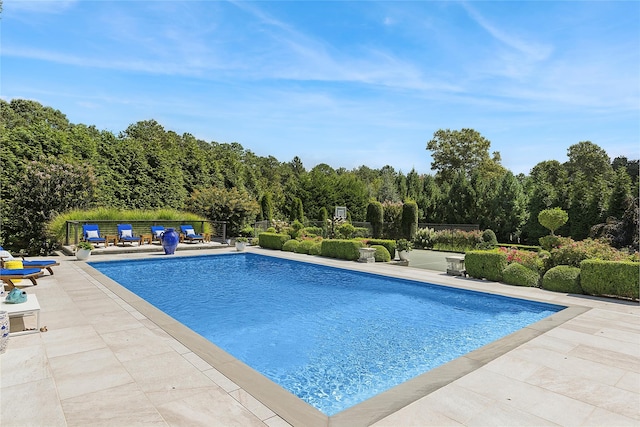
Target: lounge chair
190,235
125,234
91,234
36,263
156,233
8,275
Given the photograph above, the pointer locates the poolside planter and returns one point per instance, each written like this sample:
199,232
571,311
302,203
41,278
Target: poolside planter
170,240
83,254
241,246
455,266
4,330
404,255
367,255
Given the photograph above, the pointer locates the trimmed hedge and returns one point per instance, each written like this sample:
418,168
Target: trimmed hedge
612,278
290,245
485,264
343,249
316,248
382,254
519,275
272,240
390,245
562,278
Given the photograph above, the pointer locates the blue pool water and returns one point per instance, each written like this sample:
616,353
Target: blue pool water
332,337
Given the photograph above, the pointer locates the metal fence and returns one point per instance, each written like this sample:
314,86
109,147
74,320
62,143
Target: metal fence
440,227
216,229
262,226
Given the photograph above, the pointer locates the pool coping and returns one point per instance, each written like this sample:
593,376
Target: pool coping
297,412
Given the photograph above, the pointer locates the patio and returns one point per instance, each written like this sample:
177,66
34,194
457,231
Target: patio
107,360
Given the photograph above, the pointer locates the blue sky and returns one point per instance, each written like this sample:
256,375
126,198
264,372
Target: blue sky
345,83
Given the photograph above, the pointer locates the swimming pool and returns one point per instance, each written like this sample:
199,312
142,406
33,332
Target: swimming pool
330,336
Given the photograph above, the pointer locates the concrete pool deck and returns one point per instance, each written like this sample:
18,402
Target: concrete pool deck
106,359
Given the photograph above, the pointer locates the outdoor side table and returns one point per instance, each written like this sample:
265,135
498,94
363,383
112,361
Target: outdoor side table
27,308
110,238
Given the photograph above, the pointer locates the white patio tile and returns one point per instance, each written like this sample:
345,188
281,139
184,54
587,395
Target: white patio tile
75,339
124,405
611,398
34,403
81,373
23,365
208,409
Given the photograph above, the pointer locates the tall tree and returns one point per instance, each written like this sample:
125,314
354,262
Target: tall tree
462,202
620,194
510,208
47,187
464,150
236,206
590,160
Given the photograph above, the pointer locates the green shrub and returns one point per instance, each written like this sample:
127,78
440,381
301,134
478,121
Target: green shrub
273,240
316,248
457,240
290,245
361,232
424,238
382,254
485,264
295,228
345,230
613,278
562,278
390,245
531,260
311,231
573,253
550,242
247,231
375,218
304,246
489,236
342,249
489,240
409,220
519,275
271,230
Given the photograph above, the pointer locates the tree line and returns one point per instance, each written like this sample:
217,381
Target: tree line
51,166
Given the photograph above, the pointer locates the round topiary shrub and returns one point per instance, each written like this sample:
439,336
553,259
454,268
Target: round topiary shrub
563,278
304,247
290,245
382,254
519,275
488,236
